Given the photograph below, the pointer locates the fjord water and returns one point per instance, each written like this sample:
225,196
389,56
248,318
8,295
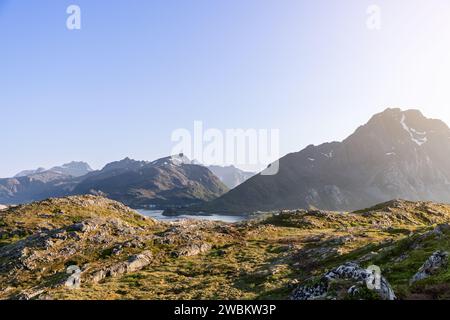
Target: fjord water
158,215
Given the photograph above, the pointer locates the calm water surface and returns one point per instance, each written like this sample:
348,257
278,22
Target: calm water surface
158,215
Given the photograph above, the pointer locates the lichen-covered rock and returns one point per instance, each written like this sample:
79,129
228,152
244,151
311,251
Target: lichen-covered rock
434,263
190,236
192,249
355,276
43,248
85,226
133,264
29,294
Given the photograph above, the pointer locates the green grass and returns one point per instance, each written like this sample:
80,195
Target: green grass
257,260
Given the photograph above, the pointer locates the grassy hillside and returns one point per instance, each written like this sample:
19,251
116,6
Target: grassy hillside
125,256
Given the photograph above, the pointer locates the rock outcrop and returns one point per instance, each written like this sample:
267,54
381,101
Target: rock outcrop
357,278
133,264
188,237
433,265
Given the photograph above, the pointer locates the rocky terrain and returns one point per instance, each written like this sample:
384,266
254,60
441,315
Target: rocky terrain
89,247
397,154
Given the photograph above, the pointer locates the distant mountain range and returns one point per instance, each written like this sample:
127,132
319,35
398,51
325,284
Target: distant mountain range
397,154
74,169
167,182
36,186
171,181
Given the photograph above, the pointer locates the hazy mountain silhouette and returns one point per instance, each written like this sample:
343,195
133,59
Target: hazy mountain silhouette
170,181
397,154
74,169
230,175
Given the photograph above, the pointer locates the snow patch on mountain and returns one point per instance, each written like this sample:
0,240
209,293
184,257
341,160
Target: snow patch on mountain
179,160
414,133
329,155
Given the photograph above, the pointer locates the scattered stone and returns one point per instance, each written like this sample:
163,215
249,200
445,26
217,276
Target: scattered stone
353,290
83,227
343,240
117,250
400,258
29,294
74,280
293,283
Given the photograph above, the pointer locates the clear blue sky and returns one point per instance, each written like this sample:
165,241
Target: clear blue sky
137,70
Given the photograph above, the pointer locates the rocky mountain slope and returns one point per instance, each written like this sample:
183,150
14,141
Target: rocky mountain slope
36,186
49,249
25,173
167,182
397,154
230,175
170,181
74,169
31,185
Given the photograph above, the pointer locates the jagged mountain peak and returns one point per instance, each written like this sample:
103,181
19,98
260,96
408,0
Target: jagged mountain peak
408,119
74,169
179,159
396,154
395,129
124,164
168,181
25,173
